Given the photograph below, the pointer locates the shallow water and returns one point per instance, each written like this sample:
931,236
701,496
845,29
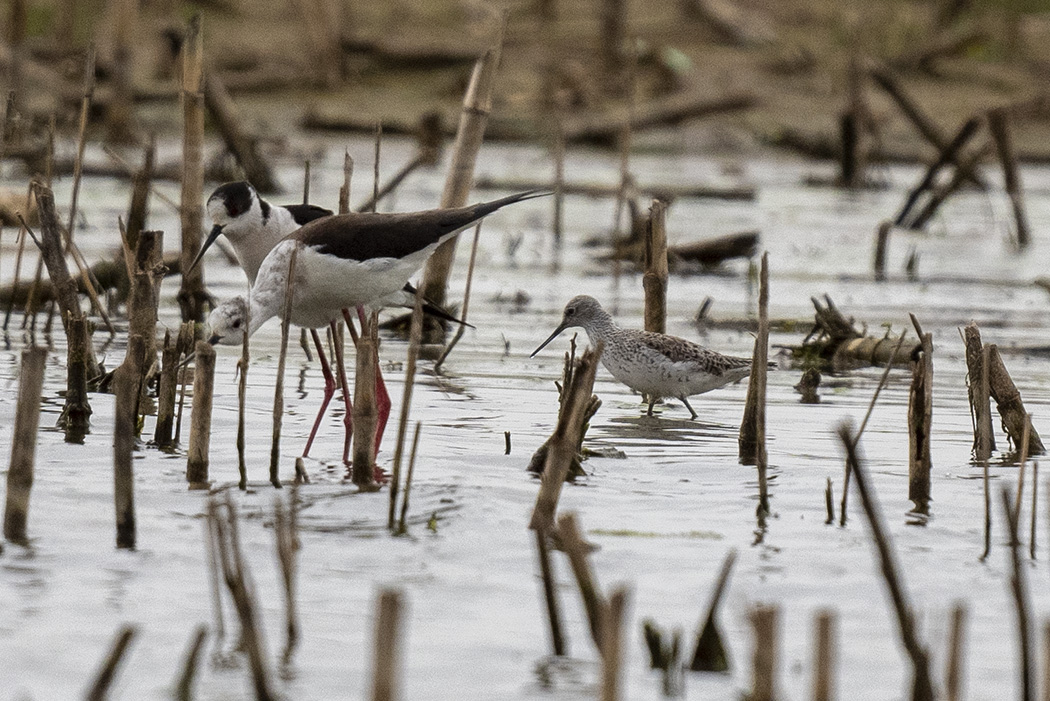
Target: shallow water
664,517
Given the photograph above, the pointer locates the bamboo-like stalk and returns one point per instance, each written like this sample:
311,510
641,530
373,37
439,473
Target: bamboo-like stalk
143,298
477,103
278,389
825,657
192,296
99,689
882,239
200,416
408,479
922,684
829,503
765,622
78,161
414,336
752,440
654,281
365,412
190,662
956,642
1035,509
141,188
128,386
386,649
23,444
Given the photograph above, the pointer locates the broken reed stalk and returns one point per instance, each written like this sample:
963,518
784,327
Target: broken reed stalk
466,300
23,444
128,388
64,288
999,125
829,503
190,662
612,644
166,391
192,296
948,155
76,413
977,374
710,655
654,281
864,422
141,187
242,398
1022,604
752,440
920,421
1008,403
99,689
386,649
550,594
408,479
365,412
564,442
956,639
242,145
922,683
765,626
143,298
278,387
477,103
239,586
200,416
576,549
824,660
286,540
344,189
882,239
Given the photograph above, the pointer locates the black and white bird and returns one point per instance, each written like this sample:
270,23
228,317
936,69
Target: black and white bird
345,261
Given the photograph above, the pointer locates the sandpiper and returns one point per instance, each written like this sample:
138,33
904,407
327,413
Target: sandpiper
346,261
655,364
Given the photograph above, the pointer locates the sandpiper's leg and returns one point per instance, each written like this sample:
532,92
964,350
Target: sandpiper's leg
348,420
685,401
329,389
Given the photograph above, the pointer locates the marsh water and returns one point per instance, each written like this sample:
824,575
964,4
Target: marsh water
663,515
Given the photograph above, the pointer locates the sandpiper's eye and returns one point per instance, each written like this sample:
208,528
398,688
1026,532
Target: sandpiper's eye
570,311
237,324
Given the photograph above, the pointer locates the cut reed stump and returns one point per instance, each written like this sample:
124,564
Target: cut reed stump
200,417
192,297
128,388
477,103
166,390
922,682
710,654
654,282
978,388
23,444
824,659
365,412
612,644
920,417
386,649
752,440
141,186
954,674
143,300
765,622
1008,402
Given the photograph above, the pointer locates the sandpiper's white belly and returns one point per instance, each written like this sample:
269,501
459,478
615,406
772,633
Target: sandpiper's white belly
648,371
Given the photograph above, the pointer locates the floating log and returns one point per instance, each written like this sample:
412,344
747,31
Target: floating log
836,343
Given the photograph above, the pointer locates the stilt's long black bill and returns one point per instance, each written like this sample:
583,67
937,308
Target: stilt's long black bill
215,231
551,338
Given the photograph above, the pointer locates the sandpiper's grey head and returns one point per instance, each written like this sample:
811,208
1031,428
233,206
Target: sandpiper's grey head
581,310
228,322
235,209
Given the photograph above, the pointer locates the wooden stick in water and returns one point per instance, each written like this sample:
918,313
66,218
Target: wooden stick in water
978,387
386,649
829,503
128,386
190,662
1022,604
956,641
408,479
99,690
654,281
922,684
824,662
21,238
278,390
200,416
244,147
23,444
882,239
710,655
78,160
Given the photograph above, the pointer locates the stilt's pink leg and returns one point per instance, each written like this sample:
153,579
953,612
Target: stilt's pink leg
348,420
329,389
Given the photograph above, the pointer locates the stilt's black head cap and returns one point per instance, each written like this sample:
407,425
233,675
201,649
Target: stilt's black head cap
237,197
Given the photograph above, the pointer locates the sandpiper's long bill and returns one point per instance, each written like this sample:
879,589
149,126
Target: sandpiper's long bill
655,364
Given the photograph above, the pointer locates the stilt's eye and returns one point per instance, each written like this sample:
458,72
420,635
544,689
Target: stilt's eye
237,324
